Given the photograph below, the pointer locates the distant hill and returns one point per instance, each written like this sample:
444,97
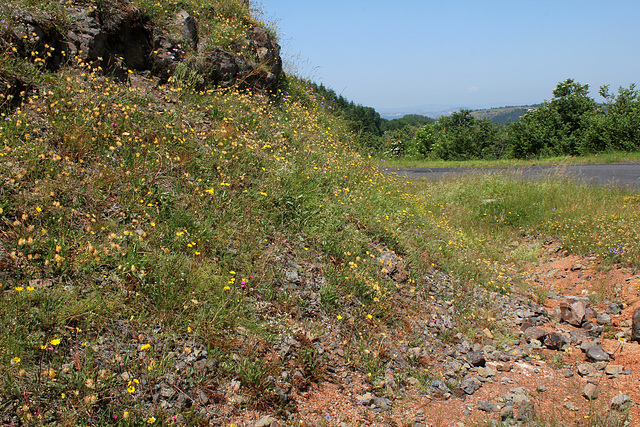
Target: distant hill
502,115
496,115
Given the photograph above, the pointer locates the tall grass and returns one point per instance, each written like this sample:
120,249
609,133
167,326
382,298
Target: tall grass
478,216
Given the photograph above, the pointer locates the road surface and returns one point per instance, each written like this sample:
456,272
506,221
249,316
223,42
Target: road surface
625,174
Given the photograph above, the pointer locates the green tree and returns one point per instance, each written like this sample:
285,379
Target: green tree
556,127
619,127
458,137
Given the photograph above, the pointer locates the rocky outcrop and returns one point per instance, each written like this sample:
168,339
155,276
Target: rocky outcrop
253,62
120,40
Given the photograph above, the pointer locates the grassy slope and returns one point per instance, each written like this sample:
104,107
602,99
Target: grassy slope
125,211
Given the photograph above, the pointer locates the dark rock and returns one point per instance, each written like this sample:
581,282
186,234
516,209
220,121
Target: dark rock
621,402
476,358
527,412
188,27
506,412
524,313
604,319
265,421
572,311
118,40
593,330
613,370
554,341
382,403
13,90
219,67
589,391
615,308
526,325
570,406
534,333
504,367
578,335
470,385
365,399
439,389
485,406
595,353
586,345
585,369
635,328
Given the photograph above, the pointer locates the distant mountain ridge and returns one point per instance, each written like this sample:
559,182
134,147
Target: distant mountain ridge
499,115
503,115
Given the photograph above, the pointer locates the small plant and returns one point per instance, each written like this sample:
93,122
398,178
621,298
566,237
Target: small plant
253,376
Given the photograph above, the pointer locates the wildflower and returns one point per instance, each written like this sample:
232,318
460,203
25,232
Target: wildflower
18,289
55,341
145,346
15,360
339,317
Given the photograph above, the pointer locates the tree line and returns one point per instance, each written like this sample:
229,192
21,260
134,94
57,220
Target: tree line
570,124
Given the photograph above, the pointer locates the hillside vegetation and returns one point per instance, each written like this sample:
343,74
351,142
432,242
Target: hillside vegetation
570,124
503,115
180,246
147,225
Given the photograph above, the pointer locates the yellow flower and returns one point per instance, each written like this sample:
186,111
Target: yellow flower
16,360
19,288
55,341
339,317
145,346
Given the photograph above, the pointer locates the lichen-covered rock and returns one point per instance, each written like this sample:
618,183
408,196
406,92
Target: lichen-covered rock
119,40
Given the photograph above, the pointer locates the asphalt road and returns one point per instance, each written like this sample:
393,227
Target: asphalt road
615,174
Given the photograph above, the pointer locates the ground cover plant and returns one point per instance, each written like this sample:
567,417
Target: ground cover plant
162,241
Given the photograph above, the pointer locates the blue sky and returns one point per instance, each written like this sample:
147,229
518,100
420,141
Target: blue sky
467,53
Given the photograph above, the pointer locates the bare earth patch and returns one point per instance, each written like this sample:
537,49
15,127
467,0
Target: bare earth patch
550,379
